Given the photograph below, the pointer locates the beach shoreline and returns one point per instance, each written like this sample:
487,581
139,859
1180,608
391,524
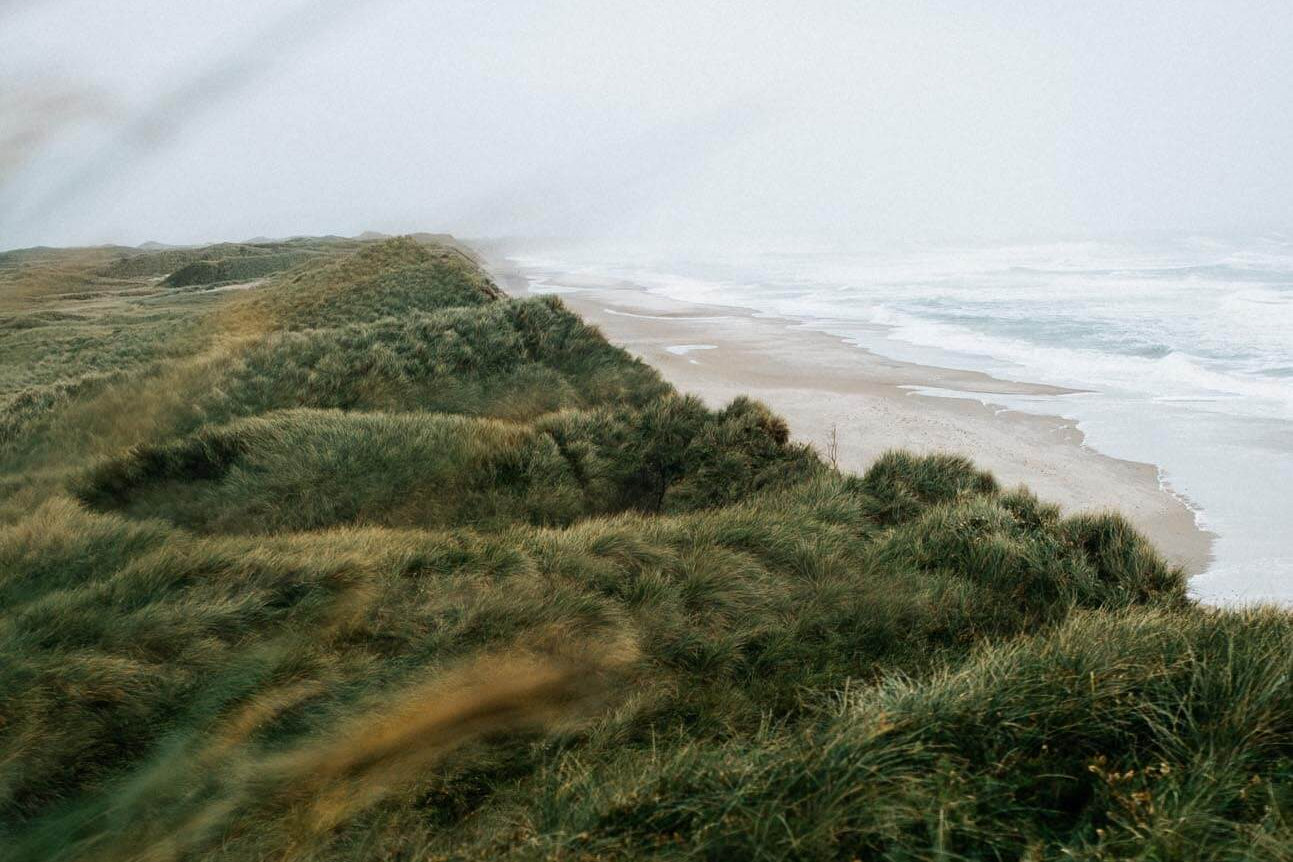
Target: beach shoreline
840,397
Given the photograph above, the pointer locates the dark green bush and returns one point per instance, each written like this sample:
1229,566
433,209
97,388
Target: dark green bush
902,484
1135,735
308,469
511,359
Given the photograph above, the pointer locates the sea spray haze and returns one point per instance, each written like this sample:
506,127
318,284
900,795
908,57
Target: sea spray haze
1181,348
368,560
674,121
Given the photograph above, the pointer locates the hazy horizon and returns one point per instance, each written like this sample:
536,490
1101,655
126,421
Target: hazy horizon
699,123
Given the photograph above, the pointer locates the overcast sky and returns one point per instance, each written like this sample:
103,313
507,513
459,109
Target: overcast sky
696,121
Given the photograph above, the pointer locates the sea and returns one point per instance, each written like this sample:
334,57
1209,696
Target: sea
1180,349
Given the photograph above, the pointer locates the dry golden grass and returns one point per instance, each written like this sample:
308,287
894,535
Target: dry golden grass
316,788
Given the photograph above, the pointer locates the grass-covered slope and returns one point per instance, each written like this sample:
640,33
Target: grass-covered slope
372,562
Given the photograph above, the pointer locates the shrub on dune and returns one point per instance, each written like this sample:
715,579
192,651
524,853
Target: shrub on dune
309,469
1144,734
903,485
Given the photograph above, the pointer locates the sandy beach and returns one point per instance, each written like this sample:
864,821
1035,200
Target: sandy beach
829,389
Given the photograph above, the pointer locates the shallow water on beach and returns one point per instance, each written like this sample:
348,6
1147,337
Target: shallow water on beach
1182,349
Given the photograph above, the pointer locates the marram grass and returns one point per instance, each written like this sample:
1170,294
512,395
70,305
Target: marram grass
370,562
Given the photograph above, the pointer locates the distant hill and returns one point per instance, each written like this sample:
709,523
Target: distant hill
185,266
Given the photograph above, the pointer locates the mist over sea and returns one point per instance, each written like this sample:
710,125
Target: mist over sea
1181,347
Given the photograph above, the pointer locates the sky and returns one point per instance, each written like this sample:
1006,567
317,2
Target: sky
706,121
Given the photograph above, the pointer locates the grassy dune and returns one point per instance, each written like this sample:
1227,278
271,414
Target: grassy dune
370,562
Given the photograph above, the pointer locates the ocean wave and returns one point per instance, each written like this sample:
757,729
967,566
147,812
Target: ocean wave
1163,372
